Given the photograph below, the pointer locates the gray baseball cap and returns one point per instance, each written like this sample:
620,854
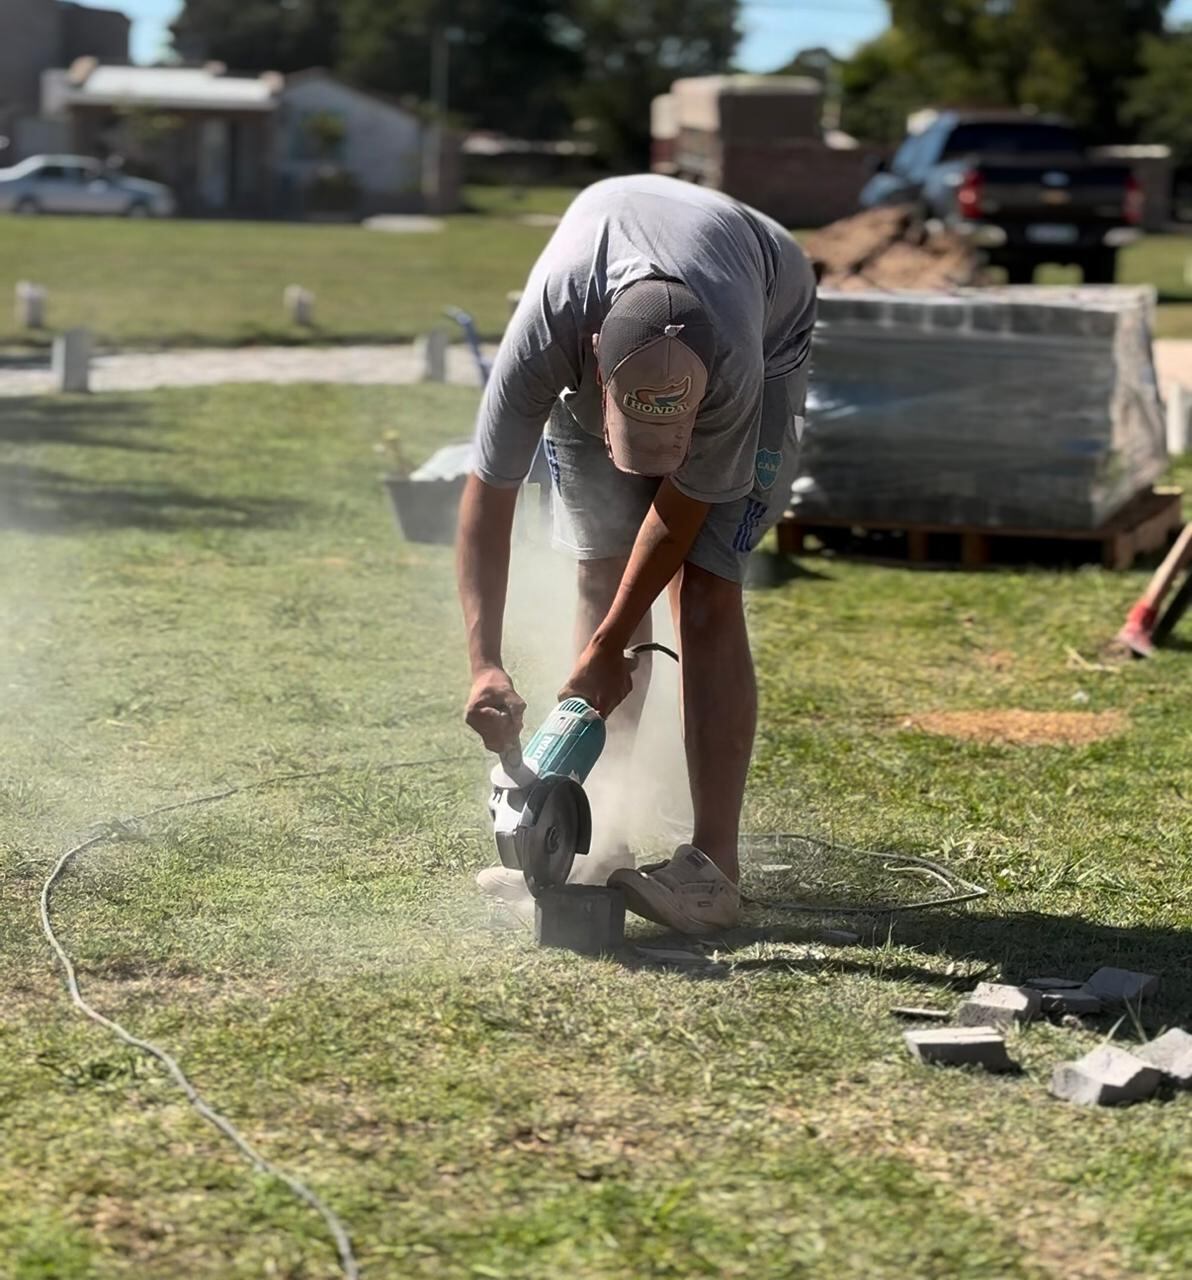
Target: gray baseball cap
655,349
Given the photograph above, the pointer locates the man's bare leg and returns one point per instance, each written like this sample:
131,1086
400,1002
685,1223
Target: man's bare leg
719,708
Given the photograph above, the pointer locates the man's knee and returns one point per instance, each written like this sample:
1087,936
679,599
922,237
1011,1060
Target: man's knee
707,601
598,580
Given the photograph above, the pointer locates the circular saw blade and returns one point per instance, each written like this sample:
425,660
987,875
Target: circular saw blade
561,828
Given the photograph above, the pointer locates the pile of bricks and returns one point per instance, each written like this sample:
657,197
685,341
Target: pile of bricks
1107,1076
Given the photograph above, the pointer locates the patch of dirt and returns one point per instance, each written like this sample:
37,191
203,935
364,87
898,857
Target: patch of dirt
888,249
997,660
1022,728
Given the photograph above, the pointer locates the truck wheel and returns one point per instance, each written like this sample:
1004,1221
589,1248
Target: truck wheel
1020,271
1100,267
26,205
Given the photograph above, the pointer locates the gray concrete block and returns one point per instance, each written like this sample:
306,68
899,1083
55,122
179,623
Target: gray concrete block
960,1047
1079,1001
1053,984
1106,1077
994,1004
1122,986
578,917
1170,1053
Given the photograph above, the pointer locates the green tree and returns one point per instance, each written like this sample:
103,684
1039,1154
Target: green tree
1071,56
259,35
1159,102
508,69
632,50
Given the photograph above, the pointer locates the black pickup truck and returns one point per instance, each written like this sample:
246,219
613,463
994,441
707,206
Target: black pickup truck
1021,188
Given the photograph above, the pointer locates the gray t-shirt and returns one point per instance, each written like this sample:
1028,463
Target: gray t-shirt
757,287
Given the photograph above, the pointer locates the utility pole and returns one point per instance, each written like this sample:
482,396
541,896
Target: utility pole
432,166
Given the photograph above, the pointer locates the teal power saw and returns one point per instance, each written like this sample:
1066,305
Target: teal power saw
541,816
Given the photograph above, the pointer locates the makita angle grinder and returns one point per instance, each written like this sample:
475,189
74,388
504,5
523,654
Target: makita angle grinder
541,816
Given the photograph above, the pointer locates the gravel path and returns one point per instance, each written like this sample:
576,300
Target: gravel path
146,371
384,365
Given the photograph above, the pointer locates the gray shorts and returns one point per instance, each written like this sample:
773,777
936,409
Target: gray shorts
598,509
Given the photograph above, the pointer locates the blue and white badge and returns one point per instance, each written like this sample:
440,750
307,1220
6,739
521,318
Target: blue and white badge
768,462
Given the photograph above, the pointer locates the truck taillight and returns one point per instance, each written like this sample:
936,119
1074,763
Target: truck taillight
968,194
1135,200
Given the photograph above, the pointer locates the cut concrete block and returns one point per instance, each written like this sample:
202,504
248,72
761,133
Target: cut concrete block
1053,984
839,937
432,354
1121,986
915,1014
71,361
1170,1053
1107,1077
960,1047
1079,1001
994,1004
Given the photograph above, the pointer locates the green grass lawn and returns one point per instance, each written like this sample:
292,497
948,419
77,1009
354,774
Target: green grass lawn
205,588
148,284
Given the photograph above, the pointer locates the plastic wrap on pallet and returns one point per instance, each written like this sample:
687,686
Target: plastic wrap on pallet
1015,407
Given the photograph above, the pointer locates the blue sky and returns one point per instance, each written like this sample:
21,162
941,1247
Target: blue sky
774,29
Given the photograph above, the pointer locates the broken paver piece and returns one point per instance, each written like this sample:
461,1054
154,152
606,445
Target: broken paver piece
1171,1053
960,1047
839,937
1106,1077
1122,986
1053,984
1076,1000
994,1004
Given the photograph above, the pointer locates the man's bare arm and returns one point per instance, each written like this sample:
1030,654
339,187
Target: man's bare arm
482,570
603,676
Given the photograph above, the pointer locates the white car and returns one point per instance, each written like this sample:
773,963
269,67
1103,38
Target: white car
77,184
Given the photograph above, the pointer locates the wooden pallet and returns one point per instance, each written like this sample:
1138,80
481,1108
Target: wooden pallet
1145,525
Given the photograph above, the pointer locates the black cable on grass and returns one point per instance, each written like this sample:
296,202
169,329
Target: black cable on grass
122,827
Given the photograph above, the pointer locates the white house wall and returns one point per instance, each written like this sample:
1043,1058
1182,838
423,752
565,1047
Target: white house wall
382,146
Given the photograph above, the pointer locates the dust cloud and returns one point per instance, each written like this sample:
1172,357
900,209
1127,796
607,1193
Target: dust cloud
643,800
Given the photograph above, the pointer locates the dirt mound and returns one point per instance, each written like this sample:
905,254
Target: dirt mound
889,249
1022,728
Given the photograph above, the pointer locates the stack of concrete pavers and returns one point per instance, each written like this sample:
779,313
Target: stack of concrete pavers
1016,407
1107,1076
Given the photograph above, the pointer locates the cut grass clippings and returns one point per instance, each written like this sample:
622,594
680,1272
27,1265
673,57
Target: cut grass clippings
206,588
